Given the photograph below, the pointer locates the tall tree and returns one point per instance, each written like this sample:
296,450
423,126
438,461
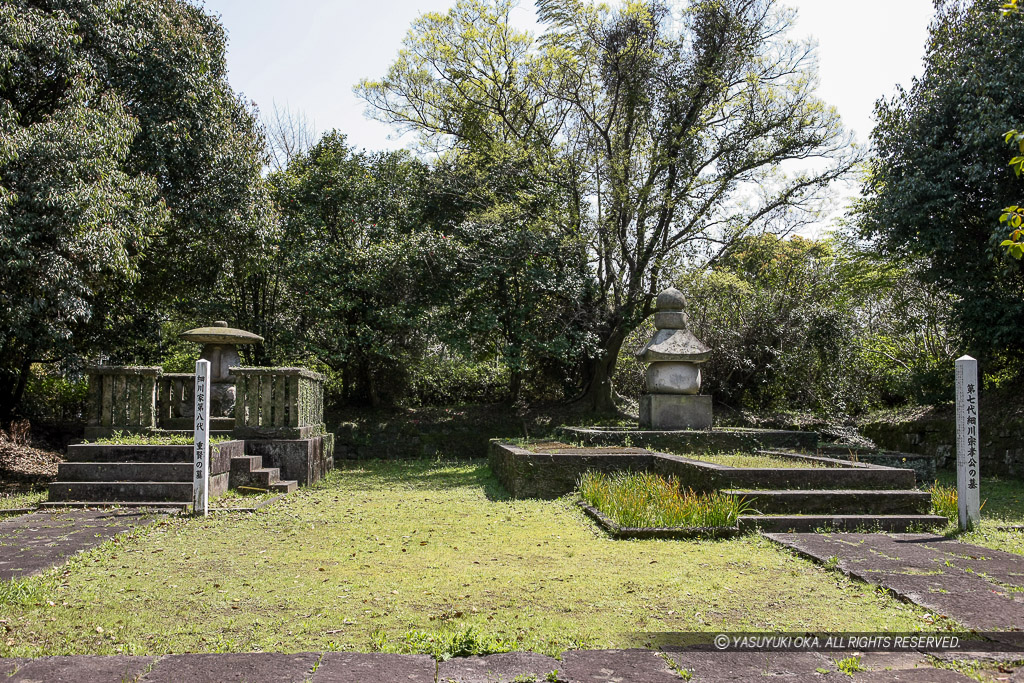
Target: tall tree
363,265
130,176
938,180
74,217
669,130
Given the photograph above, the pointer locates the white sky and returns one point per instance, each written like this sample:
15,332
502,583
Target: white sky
308,54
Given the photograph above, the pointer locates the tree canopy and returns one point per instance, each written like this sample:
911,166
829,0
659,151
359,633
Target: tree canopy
129,174
668,131
938,181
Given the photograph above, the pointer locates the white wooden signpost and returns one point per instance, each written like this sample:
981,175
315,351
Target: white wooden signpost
201,468
967,442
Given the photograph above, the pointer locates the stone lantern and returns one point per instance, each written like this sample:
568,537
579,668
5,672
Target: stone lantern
220,347
673,376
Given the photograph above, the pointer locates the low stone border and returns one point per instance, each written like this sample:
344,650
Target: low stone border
11,512
671,533
824,460
528,474
260,506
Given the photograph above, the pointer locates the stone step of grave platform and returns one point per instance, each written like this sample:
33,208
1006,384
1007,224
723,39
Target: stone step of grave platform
866,523
923,465
834,501
125,453
247,471
125,471
163,505
284,486
698,474
124,491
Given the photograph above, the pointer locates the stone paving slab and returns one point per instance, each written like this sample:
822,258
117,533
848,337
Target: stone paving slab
499,668
250,667
605,666
30,544
615,666
8,665
912,676
117,669
356,667
752,666
965,582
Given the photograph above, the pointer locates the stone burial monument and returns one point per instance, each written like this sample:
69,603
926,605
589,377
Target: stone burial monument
674,355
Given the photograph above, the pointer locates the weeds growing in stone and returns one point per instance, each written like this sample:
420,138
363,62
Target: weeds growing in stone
123,439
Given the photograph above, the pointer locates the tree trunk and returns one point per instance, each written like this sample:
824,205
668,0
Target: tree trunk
515,386
600,392
13,392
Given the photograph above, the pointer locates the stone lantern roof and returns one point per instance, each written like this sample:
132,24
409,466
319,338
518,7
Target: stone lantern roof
220,333
673,341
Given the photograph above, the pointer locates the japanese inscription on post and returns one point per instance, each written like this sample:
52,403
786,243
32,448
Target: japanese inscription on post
967,442
201,458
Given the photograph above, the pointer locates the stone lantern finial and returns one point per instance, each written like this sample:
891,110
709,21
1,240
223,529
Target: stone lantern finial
673,375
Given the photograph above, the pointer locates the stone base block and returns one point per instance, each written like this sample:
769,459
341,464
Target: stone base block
675,411
303,460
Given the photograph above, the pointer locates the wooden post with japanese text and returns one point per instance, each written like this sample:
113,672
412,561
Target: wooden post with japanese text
967,442
201,457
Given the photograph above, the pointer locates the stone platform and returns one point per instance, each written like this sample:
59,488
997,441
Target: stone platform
690,440
836,494
114,474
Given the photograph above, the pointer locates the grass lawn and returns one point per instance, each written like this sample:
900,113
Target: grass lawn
234,499
755,460
1003,501
20,498
419,557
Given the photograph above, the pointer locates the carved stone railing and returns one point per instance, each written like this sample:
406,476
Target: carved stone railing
278,403
175,396
282,403
121,399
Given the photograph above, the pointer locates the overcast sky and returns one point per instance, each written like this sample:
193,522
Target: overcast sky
307,54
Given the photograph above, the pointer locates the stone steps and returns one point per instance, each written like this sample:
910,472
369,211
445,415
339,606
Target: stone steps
164,505
285,486
811,523
816,478
835,502
248,471
123,491
128,453
119,474
125,471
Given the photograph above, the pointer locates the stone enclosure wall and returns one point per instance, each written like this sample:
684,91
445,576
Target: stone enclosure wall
1002,442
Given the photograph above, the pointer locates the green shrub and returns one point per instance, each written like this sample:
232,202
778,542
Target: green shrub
640,499
849,665
449,379
50,395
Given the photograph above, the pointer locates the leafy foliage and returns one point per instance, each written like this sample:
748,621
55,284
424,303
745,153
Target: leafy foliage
362,263
934,192
820,325
944,501
653,133
129,177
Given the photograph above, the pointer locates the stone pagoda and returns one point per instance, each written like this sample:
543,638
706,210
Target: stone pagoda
674,355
